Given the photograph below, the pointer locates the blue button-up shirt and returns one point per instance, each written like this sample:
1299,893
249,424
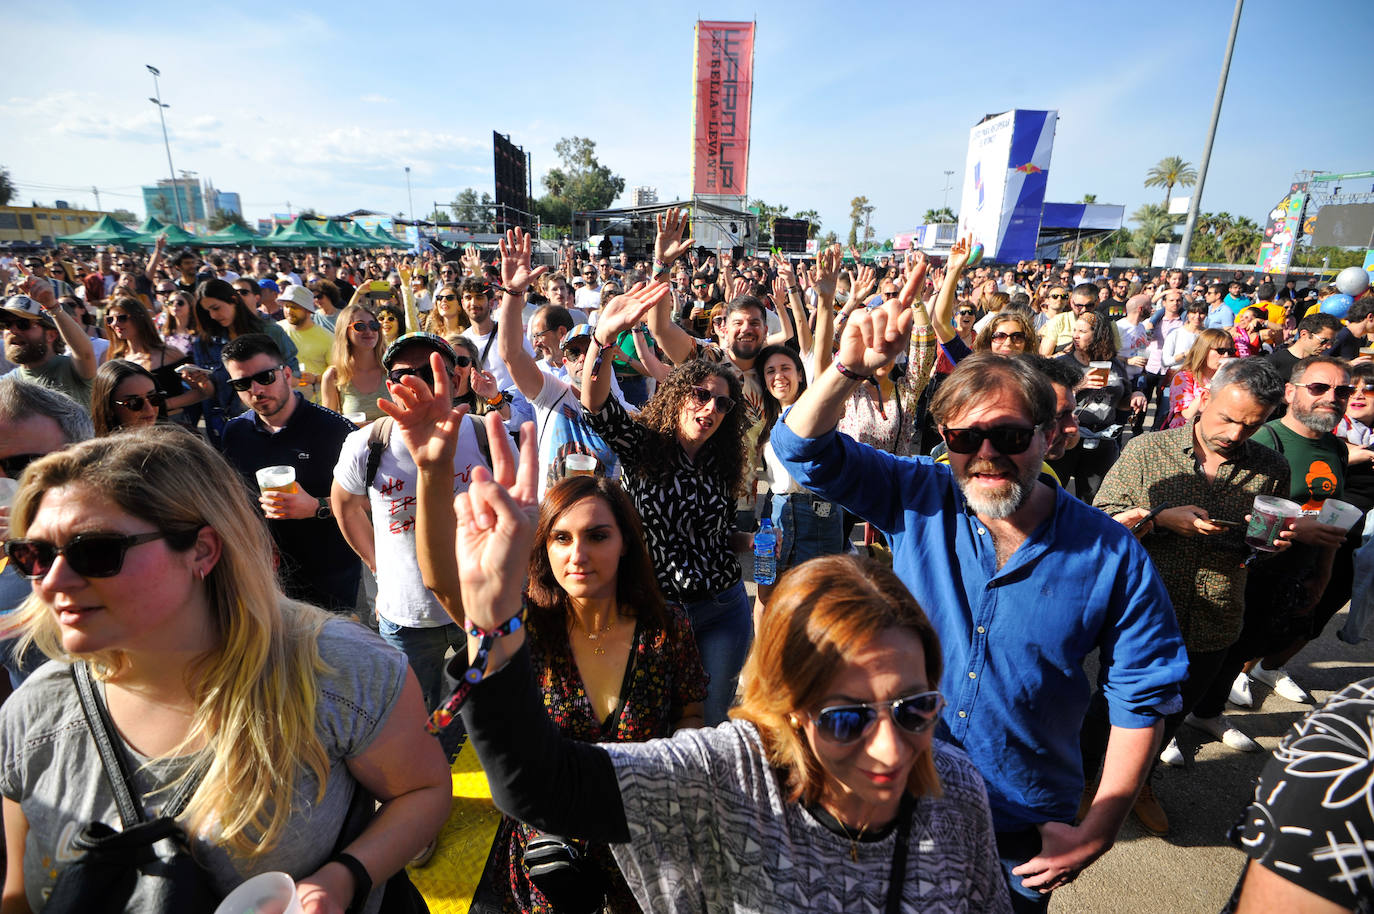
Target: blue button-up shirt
1013,638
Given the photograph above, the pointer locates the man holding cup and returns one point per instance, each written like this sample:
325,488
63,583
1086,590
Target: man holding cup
286,447
1198,482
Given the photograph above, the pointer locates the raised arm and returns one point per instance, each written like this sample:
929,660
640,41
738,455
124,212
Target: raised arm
827,270
943,315
78,343
620,314
669,245
155,261
780,308
516,277
796,305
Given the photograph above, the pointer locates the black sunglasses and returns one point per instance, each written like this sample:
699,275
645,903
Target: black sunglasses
1224,350
965,313
134,402
1058,295
1319,389
263,377
112,319
847,723
446,297
1016,336
360,326
462,361
424,373
702,396
1006,439
15,464
22,324
91,555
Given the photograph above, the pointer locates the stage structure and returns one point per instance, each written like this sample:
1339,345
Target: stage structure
1004,182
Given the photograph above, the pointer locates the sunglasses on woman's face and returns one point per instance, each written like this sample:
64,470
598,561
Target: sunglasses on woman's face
1224,350
1016,336
701,396
844,724
1006,439
112,319
361,326
449,297
134,402
91,555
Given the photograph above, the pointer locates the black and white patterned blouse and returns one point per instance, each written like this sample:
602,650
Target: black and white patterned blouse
687,519
1312,819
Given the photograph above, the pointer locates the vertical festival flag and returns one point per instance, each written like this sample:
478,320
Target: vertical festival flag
723,85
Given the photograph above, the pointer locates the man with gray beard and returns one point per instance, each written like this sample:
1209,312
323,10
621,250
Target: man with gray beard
1021,581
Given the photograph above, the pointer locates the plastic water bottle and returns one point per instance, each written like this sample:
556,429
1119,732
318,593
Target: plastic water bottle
765,553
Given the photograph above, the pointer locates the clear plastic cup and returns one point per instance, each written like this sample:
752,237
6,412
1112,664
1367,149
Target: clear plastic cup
277,479
1269,517
265,893
1339,513
579,465
1101,370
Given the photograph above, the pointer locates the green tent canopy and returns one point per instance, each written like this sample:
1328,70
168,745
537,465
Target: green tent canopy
232,235
298,234
338,236
151,226
104,230
175,235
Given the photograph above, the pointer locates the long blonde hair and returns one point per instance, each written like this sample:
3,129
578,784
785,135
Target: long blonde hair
341,355
437,324
256,691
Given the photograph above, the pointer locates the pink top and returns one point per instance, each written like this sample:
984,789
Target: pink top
1183,390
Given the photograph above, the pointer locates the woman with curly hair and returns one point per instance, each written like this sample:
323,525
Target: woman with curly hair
447,317
1010,332
125,395
684,464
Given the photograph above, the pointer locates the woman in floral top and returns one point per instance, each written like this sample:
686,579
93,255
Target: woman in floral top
1211,346
613,661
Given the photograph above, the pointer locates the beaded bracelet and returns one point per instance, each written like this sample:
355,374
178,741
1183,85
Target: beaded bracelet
475,671
851,374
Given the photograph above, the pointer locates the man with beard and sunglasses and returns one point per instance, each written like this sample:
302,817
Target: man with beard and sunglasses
1021,580
373,497
283,428
36,330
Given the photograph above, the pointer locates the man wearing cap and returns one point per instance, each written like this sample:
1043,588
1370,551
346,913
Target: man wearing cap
313,342
268,290
560,427
374,502
36,330
282,428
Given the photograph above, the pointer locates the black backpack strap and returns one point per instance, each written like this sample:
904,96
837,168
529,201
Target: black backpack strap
101,727
378,437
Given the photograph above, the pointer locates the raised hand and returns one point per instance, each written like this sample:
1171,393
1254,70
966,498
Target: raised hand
874,337
496,521
742,286
784,268
827,270
779,300
426,420
669,244
865,281
625,311
958,257
516,274
483,383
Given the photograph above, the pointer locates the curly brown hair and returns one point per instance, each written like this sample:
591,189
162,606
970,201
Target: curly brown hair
727,445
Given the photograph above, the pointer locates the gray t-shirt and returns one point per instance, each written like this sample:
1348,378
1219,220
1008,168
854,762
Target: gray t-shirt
59,373
50,766
711,829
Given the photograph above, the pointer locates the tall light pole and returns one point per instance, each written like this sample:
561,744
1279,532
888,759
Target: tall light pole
156,99
1196,202
948,174
409,195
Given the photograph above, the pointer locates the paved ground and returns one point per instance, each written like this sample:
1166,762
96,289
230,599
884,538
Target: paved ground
1195,868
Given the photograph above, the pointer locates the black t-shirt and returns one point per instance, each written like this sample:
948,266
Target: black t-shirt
1346,345
1284,361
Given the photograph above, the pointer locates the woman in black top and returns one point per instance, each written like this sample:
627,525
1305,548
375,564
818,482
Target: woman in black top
125,395
684,463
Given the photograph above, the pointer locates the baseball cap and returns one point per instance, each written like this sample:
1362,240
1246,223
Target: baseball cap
299,296
577,280
23,306
578,332
431,341
269,284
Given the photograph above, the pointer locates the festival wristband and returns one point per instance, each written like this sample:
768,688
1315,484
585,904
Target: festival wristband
849,373
474,672
362,881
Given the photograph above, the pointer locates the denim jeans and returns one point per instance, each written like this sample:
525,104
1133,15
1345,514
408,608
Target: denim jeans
723,626
1013,849
425,649
805,533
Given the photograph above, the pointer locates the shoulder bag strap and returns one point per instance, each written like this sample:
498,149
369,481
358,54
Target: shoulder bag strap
897,880
378,437
495,328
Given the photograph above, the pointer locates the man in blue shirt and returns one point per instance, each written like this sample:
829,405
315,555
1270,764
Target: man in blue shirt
1021,580
1219,314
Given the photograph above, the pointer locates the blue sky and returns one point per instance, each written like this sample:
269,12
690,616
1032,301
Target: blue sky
324,106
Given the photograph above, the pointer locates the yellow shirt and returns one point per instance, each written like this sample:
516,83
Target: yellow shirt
313,346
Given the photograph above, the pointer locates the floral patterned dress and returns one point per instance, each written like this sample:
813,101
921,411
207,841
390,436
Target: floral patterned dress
662,677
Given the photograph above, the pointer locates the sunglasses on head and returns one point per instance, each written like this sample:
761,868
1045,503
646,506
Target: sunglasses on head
848,723
701,396
91,555
16,463
134,402
361,326
1319,389
1005,439
424,373
263,378
1016,336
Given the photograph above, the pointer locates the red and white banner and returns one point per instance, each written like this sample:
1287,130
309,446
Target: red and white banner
723,82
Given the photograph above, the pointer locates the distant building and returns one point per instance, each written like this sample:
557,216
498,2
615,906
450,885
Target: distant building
160,203
644,196
41,224
228,202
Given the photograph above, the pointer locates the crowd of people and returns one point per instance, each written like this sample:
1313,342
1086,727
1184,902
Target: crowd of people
515,501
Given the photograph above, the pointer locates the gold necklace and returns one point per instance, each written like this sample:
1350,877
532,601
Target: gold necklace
854,844
600,633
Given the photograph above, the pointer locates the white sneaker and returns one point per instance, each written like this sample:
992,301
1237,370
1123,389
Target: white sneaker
1172,755
1283,684
1221,728
1240,692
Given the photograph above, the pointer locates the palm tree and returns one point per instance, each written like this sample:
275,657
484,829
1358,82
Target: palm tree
1171,172
1090,198
943,214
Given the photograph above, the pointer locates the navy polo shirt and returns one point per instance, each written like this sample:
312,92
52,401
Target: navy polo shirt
317,564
